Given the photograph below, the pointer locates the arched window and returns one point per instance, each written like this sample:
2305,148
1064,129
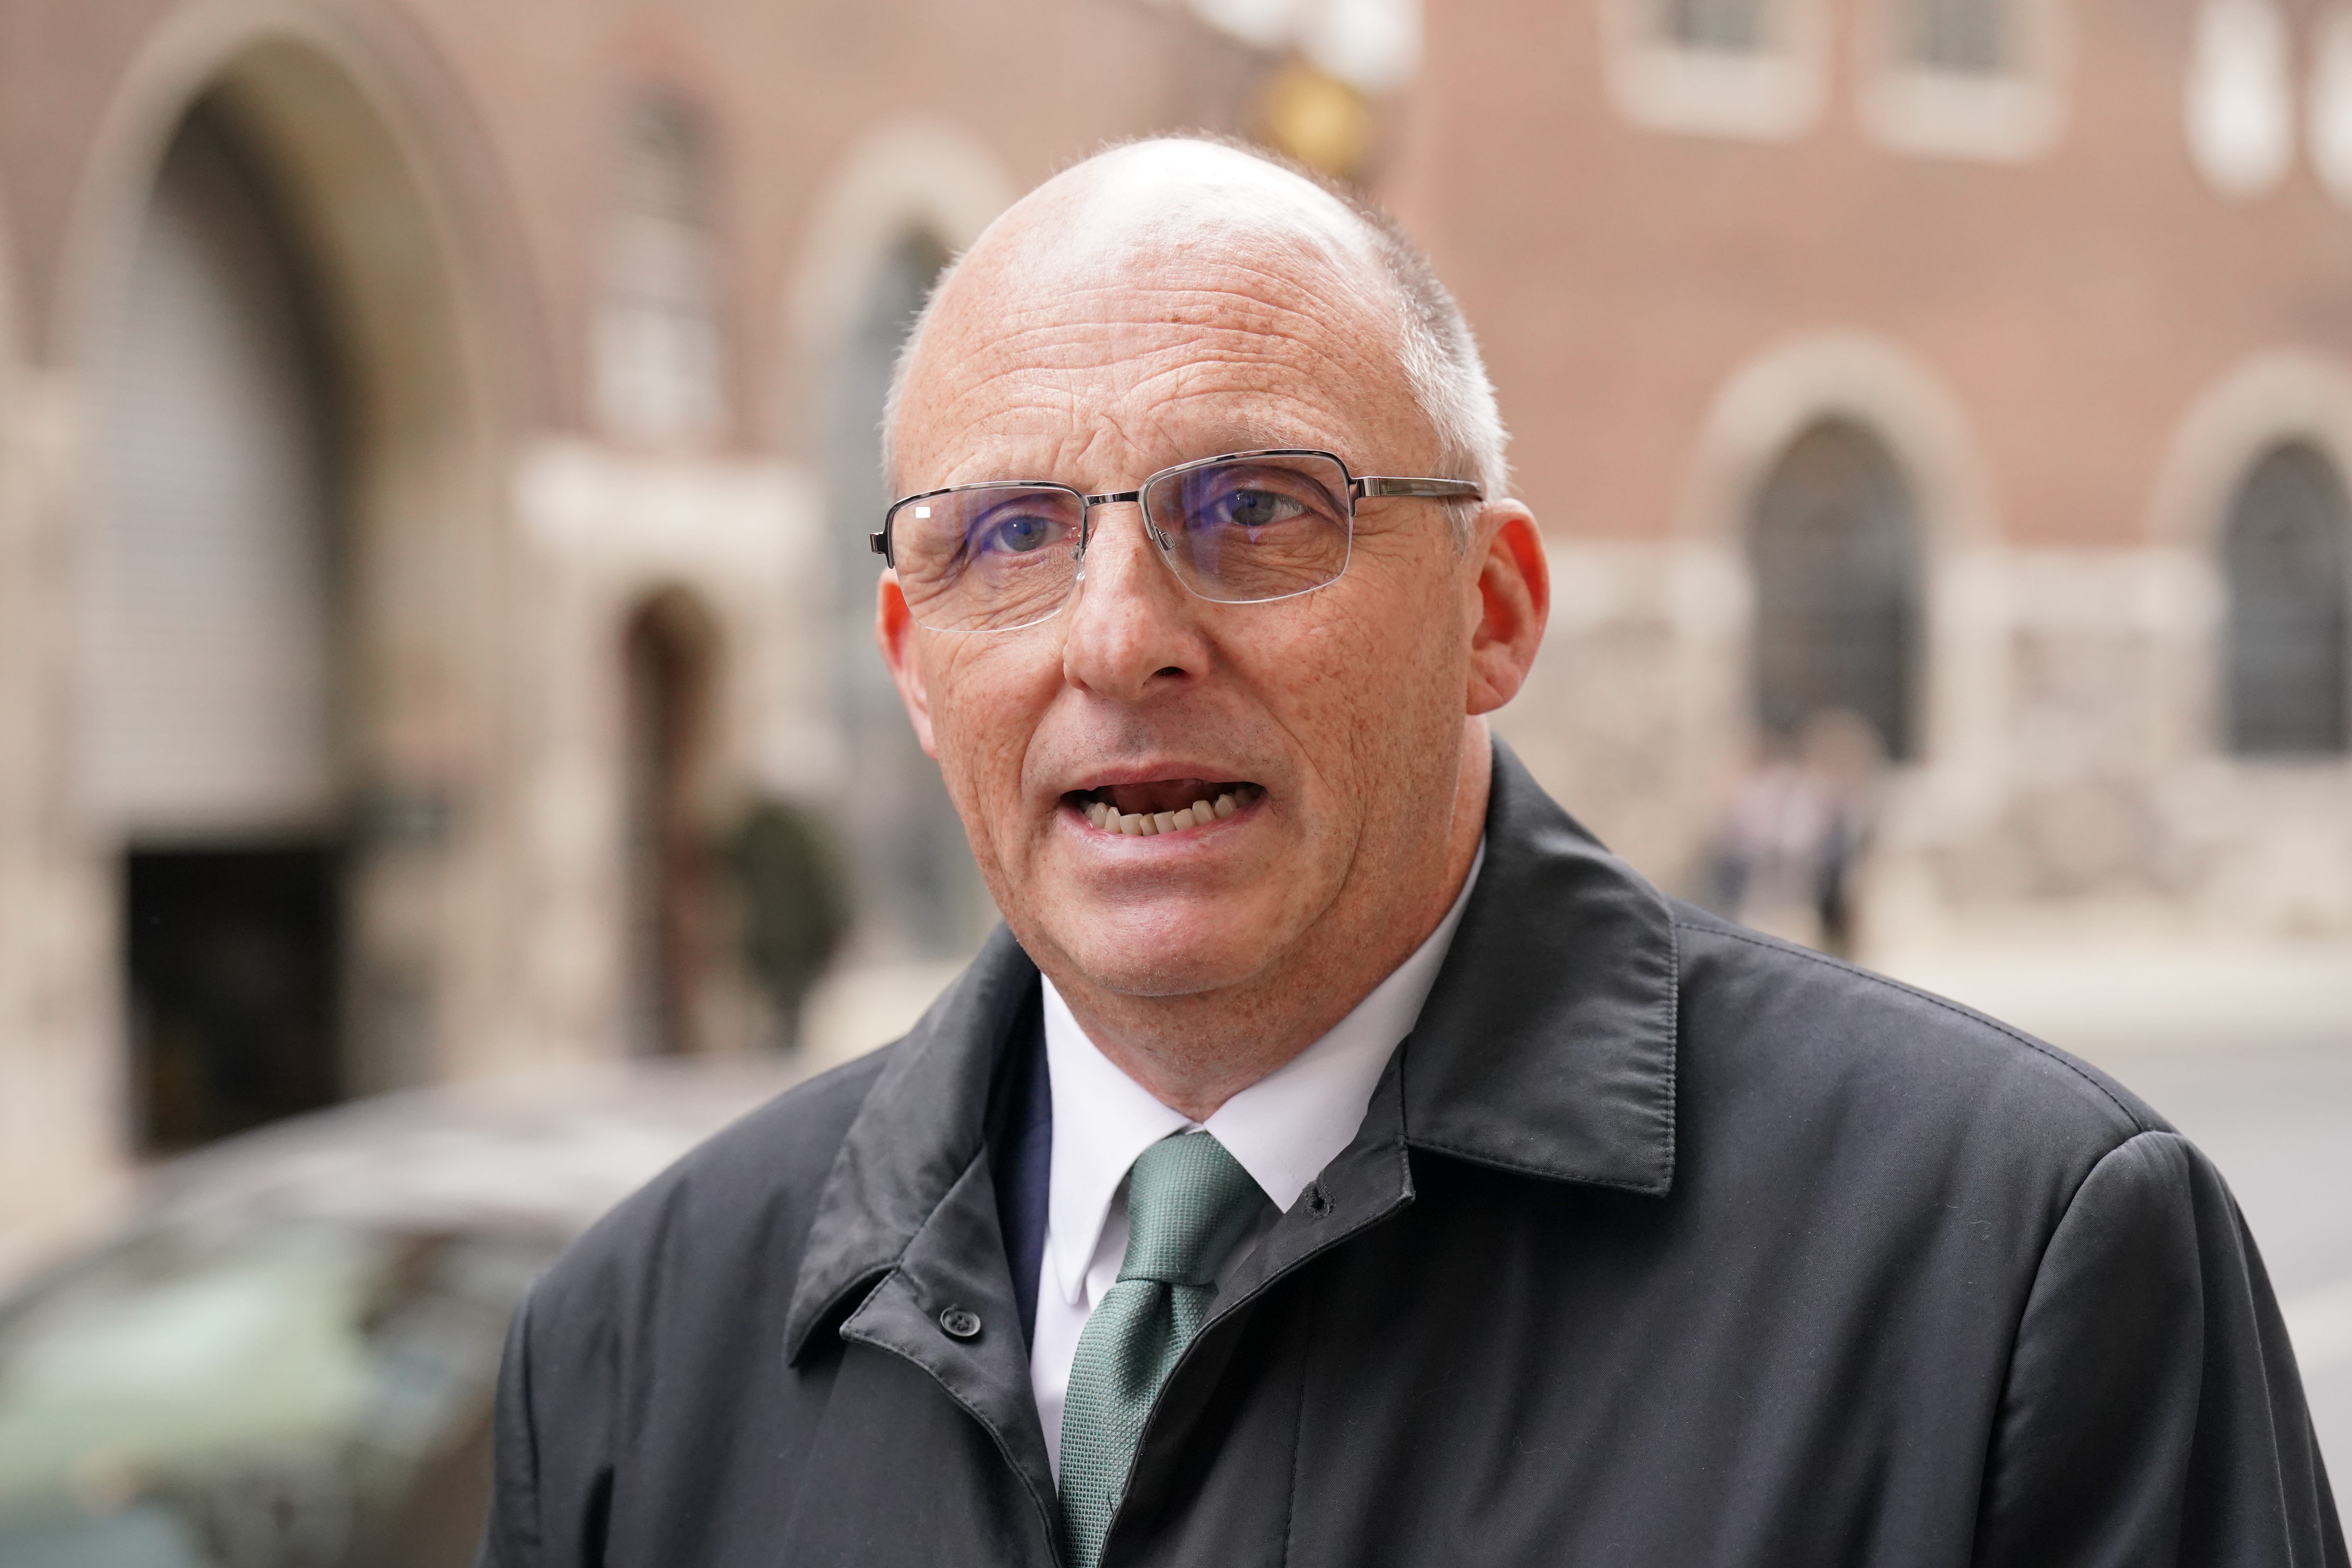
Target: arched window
215,656
1967,37
2286,555
911,871
669,659
659,373
1833,544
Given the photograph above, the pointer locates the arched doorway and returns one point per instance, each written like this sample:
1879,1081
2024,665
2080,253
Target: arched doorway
912,874
669,659
218,755
289,387
1833,547
2287,558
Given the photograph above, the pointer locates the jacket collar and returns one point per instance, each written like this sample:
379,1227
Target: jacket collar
1548,1044
922,1128
1546,1047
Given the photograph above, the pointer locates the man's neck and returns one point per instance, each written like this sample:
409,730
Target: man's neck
1196,1051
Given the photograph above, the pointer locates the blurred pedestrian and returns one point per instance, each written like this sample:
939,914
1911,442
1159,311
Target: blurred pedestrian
1787,858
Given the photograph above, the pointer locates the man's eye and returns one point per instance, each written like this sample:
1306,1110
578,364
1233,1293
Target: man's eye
1015,535
1253,508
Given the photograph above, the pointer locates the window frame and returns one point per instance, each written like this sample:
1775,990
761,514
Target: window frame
2011,114
1773,93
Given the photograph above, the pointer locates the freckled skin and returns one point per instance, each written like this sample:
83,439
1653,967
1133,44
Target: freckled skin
1162,304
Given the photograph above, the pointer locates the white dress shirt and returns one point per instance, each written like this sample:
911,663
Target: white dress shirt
1282,1130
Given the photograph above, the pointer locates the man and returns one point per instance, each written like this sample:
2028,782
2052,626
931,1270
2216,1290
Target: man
1341,1159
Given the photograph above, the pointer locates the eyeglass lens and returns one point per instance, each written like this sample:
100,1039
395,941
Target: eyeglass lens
1236,531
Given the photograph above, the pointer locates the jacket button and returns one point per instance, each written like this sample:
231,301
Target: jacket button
960,1322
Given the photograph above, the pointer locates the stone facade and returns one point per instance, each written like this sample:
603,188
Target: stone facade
603,294
585,279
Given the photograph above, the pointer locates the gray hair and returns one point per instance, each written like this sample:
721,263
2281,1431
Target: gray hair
1435,349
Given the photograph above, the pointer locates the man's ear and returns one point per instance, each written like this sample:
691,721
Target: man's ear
894,631
1514,601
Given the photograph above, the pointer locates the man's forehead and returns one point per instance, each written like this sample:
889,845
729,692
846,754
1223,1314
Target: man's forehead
1173,371
1175,271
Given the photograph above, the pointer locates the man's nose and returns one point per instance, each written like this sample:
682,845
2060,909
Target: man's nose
1132,625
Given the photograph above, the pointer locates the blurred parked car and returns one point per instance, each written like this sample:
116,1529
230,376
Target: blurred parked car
284,1358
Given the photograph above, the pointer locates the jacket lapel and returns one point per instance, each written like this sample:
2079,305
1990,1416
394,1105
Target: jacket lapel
922,1125
1546,1045
907,1228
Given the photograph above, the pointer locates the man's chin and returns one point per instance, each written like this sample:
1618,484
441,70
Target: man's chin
1163,957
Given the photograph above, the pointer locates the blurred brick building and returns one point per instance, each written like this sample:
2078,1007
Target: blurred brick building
1980,366
437,442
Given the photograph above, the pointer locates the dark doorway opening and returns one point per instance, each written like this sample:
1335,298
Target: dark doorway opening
220,755
1834,546
667,651
232,956
2287,557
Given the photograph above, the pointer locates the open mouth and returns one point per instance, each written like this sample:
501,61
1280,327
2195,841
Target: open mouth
1163,805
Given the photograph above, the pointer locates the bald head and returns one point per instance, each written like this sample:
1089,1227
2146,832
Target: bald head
1162,200
1212,237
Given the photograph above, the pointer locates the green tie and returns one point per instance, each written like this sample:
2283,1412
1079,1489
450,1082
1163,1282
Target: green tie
1188,1201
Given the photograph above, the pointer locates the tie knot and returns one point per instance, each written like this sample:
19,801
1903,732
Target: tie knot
1188,1201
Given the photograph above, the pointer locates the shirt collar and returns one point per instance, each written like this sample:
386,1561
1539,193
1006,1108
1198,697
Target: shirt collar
1282,1130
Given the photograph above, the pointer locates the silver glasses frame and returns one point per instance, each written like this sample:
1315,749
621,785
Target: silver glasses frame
1360,487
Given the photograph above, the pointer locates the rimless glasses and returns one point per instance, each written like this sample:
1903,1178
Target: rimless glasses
1242,529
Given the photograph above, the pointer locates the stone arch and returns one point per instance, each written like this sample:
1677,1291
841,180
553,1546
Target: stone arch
916,176
432,366
2270,398
2289,399
906,201
1848,378
389,170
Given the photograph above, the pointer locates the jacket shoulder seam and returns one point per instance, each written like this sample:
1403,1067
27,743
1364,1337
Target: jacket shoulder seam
2022,1038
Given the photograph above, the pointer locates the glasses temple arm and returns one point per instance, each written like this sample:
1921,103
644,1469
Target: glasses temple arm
1370,485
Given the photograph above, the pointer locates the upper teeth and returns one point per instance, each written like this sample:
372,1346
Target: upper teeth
1135,823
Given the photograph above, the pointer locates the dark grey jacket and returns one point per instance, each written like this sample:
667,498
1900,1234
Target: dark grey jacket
1662,1244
